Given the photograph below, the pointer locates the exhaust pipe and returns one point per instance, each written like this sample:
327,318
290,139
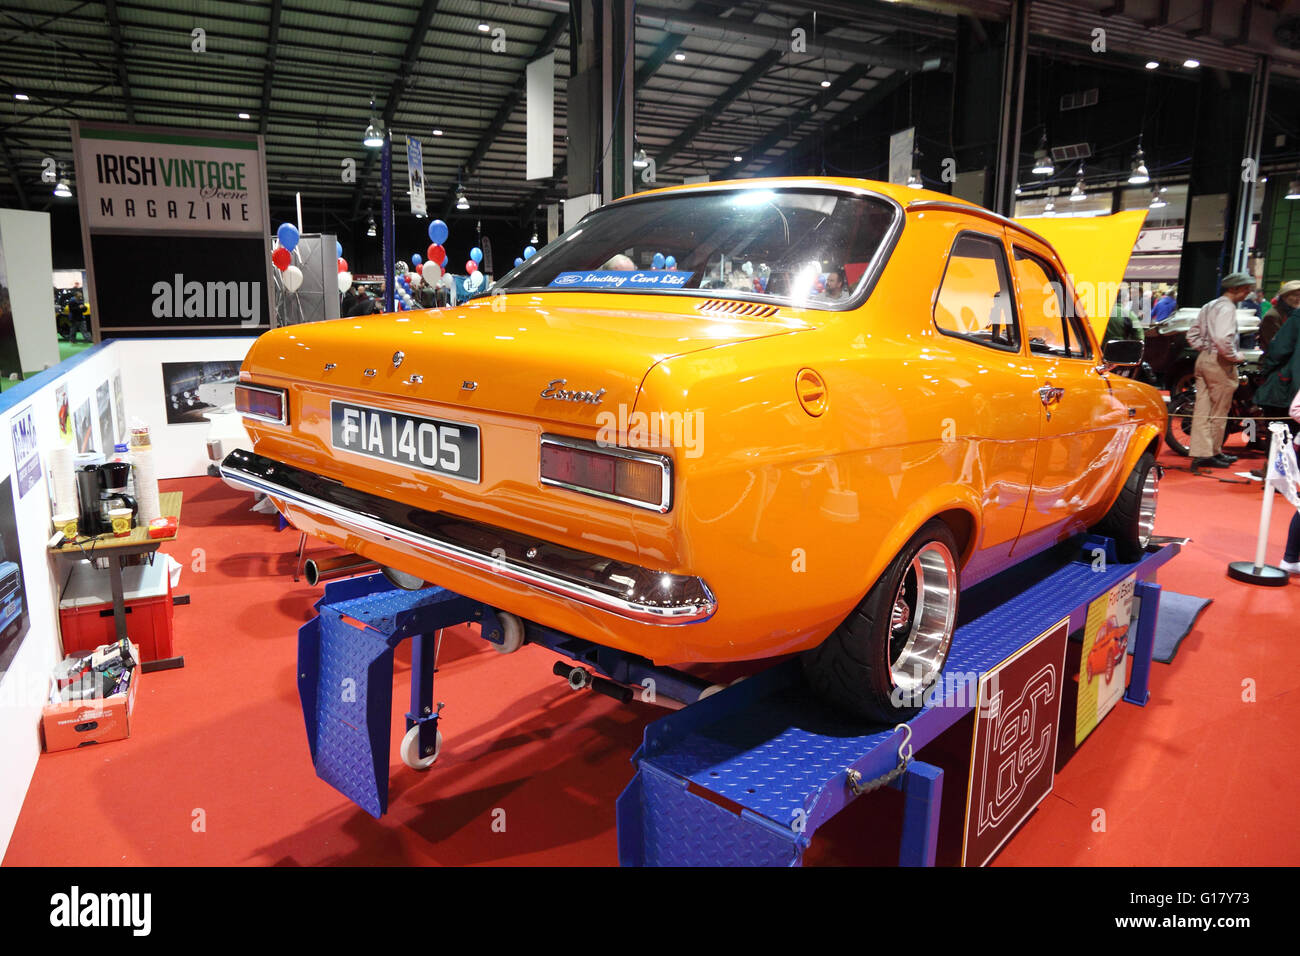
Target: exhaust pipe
345,565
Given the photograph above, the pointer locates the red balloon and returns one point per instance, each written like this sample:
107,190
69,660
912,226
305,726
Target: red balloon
437,254
343,264
281,258
420,268
471,266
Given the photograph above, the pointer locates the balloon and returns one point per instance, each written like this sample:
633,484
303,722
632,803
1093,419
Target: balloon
338,249
658,261
432,272
292,279
401,267
345,281
281,258
436,253
529,252
437,232
474,281
748,268
518,262
288,236
471,267
671,262
416,260
343,264
476,254
413,280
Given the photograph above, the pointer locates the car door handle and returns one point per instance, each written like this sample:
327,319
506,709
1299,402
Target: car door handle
1050,395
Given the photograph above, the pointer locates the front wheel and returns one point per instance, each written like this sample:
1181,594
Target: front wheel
880,662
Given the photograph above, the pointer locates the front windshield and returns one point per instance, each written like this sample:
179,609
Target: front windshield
809,246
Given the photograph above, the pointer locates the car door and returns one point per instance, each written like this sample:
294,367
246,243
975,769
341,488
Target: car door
1083,428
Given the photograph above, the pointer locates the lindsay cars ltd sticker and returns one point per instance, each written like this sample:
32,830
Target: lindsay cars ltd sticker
622,279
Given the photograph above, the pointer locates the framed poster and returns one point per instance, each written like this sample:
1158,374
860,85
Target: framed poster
64,414
1103,667
104,403
119,406
14,619
81,428
1013,751
27,453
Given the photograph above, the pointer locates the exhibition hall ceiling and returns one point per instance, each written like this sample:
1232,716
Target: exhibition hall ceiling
713,81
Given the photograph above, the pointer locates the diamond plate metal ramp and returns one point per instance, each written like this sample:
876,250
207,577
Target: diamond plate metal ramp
345,676
770,756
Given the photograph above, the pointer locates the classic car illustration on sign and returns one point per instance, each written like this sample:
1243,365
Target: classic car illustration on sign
841,403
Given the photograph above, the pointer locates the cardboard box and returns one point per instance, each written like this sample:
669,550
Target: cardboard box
81,722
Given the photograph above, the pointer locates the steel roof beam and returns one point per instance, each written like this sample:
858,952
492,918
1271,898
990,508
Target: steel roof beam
268,69
15,174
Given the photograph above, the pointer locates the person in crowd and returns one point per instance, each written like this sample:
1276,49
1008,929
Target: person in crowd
619,263
1280,365
1165,306
1291,556
1214,335
348,302
1256,304
1288,297
1123,323
836,287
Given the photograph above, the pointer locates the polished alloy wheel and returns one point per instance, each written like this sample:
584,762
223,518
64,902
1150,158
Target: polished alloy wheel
1147,507
924,614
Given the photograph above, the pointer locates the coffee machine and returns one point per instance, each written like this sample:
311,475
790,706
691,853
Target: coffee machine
101,489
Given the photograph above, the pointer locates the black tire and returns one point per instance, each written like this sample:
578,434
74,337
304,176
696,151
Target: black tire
853,669
1127,521
1178,428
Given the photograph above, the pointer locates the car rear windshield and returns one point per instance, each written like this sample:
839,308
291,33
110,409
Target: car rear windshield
811,247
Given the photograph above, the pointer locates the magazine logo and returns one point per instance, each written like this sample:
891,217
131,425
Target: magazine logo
179,299
103,910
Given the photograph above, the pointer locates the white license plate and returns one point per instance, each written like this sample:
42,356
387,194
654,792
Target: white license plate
448,448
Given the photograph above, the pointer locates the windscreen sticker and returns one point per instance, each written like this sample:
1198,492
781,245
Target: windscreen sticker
623,279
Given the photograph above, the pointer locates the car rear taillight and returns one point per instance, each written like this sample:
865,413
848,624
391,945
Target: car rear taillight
262,403
637,478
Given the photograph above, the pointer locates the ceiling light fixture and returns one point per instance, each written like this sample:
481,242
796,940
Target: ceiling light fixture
437,132
1050,208
1153,64
1017,189
244,116
1293,190
737,158
826,84
641,160
461,202
914,179
372,139
534,240
63,188
1191,63
484,28
371,229
22,97
1042,160
1157,200
679,57
1078,194
1139,176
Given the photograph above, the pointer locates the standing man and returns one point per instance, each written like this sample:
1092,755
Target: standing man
1165,306
1214,335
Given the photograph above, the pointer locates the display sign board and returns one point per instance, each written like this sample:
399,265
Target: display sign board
27,452
183,208
1013,753
901,149
415,175
539,99
1103,666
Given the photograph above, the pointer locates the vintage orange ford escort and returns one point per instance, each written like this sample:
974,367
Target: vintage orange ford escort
725,422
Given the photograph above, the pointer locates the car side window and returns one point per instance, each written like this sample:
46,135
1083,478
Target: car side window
1051,323
974,300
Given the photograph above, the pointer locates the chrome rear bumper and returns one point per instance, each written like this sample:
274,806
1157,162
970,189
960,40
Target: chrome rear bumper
628,590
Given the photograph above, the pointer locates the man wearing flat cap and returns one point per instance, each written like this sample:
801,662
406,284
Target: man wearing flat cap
1214,335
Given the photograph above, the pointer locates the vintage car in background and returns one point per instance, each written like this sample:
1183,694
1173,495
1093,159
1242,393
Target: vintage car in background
725,422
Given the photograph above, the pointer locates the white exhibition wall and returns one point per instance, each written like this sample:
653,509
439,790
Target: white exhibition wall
25,237
179,450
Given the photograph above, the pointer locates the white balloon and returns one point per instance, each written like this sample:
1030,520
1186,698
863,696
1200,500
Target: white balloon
474,281
432,273
345,281
292,278
414,278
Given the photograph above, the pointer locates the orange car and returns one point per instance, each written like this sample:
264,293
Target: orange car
1110,647
725,422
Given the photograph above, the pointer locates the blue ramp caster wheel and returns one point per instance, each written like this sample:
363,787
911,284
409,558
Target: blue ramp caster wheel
411,750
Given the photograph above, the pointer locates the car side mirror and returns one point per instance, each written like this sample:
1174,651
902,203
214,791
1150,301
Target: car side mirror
1122,353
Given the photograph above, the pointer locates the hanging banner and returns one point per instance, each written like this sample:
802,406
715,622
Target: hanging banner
415,175
901,149
539,81
181,208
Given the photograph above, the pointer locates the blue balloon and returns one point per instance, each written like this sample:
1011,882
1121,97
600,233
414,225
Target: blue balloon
288,236
415,259
437,232
670,262
529,252
476,254
518,262
338,249
658,260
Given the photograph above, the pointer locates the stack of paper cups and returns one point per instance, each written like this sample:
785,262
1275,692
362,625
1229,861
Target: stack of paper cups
63,480
146,478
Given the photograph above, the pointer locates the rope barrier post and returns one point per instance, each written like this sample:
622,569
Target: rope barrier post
1258,572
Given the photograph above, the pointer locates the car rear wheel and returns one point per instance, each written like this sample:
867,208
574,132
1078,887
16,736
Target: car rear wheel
1131,519
1178,431
880,662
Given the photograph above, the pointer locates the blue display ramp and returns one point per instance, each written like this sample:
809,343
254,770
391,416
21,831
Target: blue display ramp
746,776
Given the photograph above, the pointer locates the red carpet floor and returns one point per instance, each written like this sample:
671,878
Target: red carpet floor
217,771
